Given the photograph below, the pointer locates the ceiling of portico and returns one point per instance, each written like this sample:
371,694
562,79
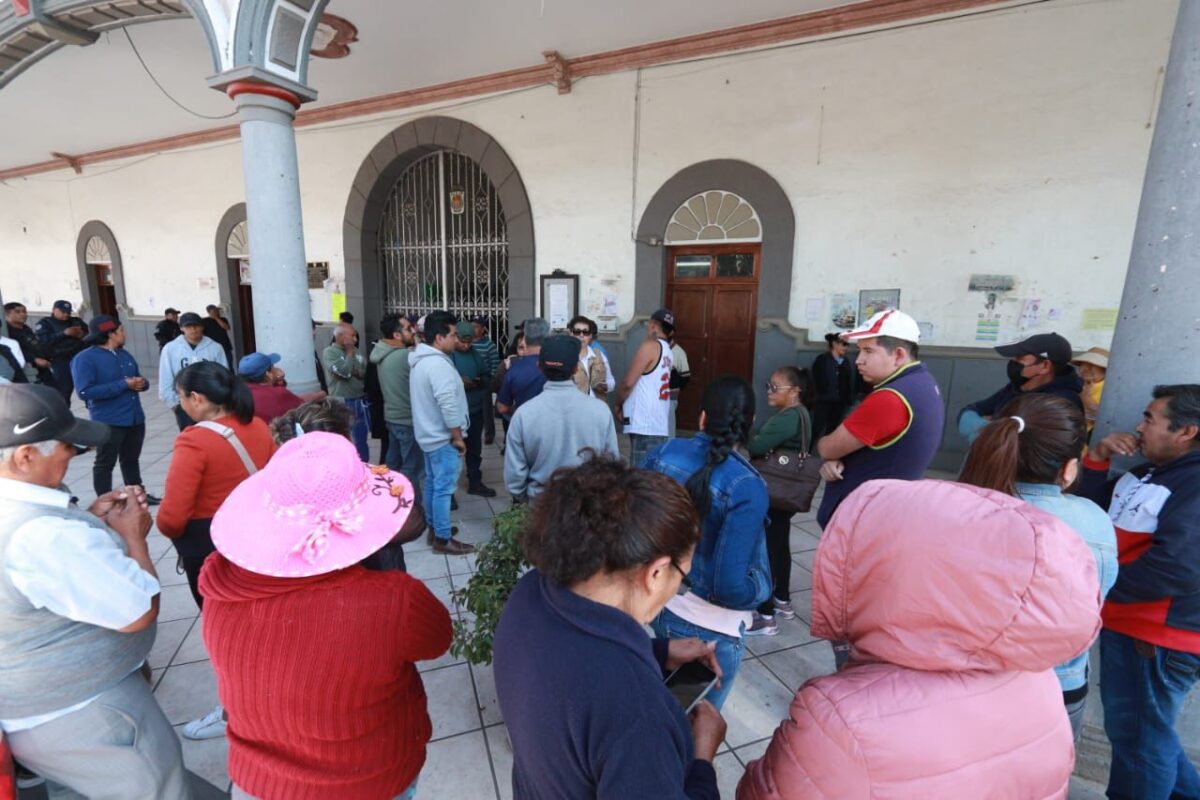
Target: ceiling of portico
82,99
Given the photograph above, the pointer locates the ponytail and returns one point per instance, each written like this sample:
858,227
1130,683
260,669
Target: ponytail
728,406
1029,441
992,460
220,385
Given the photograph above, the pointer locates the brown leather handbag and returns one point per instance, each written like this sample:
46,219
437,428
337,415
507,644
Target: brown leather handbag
792,476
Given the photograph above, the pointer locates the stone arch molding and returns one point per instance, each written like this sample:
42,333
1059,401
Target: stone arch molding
248,39
87,253
750,185
374,181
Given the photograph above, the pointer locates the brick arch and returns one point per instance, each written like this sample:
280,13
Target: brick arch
374,181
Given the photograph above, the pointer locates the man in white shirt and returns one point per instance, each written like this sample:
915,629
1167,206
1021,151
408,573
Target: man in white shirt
78,604
644,395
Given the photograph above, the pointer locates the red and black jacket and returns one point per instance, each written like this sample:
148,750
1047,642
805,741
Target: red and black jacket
1156,511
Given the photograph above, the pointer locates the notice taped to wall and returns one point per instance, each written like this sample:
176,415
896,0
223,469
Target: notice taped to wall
1099,319
987,330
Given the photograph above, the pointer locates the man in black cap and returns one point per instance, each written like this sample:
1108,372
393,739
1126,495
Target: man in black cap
644,395
167,328
1040,364
216,327
107,379
555,428
36,361
79,600
62,335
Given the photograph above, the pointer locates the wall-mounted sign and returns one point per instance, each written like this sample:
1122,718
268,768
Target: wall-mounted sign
992,283
872,301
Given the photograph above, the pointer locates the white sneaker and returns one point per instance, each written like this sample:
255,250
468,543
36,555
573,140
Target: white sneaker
210,726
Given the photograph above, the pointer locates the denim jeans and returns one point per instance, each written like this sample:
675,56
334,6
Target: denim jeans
1142,695
669,625
362,425
640,444
404,455
441,476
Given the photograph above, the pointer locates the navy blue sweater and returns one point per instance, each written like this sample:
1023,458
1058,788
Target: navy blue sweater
581,689
99,375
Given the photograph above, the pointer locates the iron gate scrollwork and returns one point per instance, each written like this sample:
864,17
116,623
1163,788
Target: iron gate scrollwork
443,243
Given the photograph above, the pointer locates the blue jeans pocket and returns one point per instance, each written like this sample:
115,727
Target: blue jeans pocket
1180,670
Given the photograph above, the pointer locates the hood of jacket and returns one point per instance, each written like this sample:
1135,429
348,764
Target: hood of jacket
223,581
425,351
382,350
934,575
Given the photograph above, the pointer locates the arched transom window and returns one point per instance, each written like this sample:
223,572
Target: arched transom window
714,216
238,247
97,252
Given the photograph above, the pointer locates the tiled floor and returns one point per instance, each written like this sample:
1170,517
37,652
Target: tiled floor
469,756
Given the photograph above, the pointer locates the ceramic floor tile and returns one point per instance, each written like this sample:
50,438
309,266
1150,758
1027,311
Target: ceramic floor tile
176,602
802,540
167,639
792,632
193,646
451,701
168,573
425,564
805,559
457,769
729,772
756,705
802,603
187,691
500,750
800,664
157,544
801,580
485,691
441,589
750,752
207,758
475,531
444,660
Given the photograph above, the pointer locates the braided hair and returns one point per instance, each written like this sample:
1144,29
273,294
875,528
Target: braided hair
728,406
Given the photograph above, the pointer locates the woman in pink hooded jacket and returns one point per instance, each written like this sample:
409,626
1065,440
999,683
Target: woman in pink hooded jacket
957,602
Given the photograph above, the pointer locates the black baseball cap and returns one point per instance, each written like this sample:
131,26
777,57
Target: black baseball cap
190,318
30,413
1050,346
63,305
101,324
171,310
666,317
559,356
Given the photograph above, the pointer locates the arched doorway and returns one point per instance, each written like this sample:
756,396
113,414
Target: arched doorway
101,279
457,176
233,277
443,242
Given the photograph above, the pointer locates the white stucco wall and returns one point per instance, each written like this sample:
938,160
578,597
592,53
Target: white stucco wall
1012,142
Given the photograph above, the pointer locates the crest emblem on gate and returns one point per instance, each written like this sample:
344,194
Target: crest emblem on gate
458,201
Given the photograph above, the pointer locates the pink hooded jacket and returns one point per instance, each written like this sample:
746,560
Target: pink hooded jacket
957,602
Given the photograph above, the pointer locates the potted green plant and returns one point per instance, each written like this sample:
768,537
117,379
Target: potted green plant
499,563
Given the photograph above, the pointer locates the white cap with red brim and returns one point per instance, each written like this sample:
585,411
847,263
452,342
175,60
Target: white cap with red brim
889,322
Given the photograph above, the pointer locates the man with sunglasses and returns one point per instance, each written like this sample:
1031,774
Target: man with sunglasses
1040,363
79,601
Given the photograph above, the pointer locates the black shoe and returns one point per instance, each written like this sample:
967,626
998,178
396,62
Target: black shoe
489,440
453,503
152,500
481,490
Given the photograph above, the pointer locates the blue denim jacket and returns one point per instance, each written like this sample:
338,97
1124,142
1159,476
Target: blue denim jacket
730,566
1096,529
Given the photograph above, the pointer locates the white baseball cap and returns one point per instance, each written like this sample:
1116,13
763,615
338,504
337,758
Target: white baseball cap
889,322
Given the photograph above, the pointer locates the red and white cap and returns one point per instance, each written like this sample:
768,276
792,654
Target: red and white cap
889,322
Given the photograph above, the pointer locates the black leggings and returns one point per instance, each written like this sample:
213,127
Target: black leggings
193,547
779,554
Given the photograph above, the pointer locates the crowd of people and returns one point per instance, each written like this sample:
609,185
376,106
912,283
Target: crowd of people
961,613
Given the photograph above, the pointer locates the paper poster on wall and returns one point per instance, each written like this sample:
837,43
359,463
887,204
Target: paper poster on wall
991,283
843,308
560,306
1099,319
1031,312
927,331
609,308
814,309
337,304
872,301
987,329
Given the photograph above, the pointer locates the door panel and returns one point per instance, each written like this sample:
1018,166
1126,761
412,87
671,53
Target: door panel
717,313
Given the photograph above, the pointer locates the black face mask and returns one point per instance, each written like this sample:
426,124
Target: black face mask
1015,368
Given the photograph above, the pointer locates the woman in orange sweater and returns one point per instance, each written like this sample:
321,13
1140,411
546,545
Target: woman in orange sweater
225,446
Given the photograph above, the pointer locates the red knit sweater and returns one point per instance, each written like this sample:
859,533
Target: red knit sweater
318,678
205,469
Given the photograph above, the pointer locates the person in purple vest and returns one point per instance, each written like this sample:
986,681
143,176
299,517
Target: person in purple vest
896,430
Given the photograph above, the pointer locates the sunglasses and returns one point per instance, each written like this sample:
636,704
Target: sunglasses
581,331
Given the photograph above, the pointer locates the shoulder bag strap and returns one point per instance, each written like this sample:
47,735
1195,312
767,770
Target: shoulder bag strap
227,433
805,433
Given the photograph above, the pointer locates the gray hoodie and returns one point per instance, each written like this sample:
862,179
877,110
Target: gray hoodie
439,401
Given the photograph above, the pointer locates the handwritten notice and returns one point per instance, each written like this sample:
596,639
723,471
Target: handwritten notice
1099,319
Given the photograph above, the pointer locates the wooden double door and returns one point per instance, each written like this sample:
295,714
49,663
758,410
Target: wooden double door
714,293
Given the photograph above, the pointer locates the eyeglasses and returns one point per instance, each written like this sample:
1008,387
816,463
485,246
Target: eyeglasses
772,388
685,582
581,331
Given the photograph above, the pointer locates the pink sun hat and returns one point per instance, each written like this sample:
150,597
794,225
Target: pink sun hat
315,508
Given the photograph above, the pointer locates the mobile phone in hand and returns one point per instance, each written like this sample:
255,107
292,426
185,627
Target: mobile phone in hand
690,684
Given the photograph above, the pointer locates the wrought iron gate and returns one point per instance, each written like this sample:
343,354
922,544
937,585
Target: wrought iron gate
443,243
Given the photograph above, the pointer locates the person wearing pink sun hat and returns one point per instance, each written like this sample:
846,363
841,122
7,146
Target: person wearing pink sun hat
314,654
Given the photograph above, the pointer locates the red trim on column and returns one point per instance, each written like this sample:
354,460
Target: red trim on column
255,87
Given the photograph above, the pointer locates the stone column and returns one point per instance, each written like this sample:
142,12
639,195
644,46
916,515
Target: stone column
278,276
1157,339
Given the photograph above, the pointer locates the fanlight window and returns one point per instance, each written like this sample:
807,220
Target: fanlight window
238,246
97,252
714,216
